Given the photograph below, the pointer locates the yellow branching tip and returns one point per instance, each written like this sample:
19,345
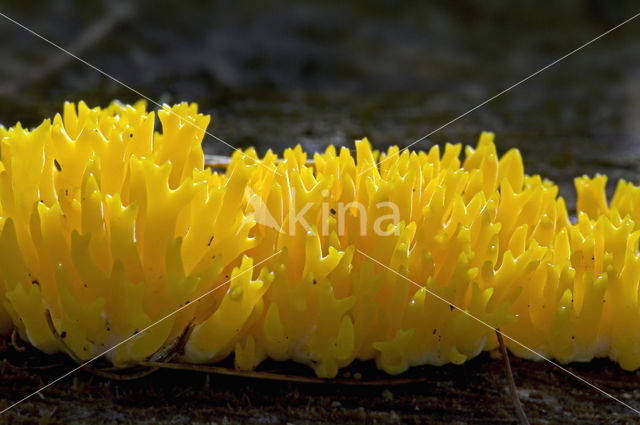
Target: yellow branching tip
108,226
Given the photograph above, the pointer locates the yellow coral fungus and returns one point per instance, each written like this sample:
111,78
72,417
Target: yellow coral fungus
107,226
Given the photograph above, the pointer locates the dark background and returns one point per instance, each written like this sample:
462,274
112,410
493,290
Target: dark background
275,74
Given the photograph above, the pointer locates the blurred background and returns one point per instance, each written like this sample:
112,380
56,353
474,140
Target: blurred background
274,74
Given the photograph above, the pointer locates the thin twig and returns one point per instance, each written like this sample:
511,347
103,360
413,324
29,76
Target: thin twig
222,162
271,376
15,338
512,385
129,374
26,366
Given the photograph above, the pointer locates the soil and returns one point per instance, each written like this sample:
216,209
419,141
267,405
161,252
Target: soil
473,393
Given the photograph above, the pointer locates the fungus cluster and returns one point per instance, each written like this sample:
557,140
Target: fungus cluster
107,226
